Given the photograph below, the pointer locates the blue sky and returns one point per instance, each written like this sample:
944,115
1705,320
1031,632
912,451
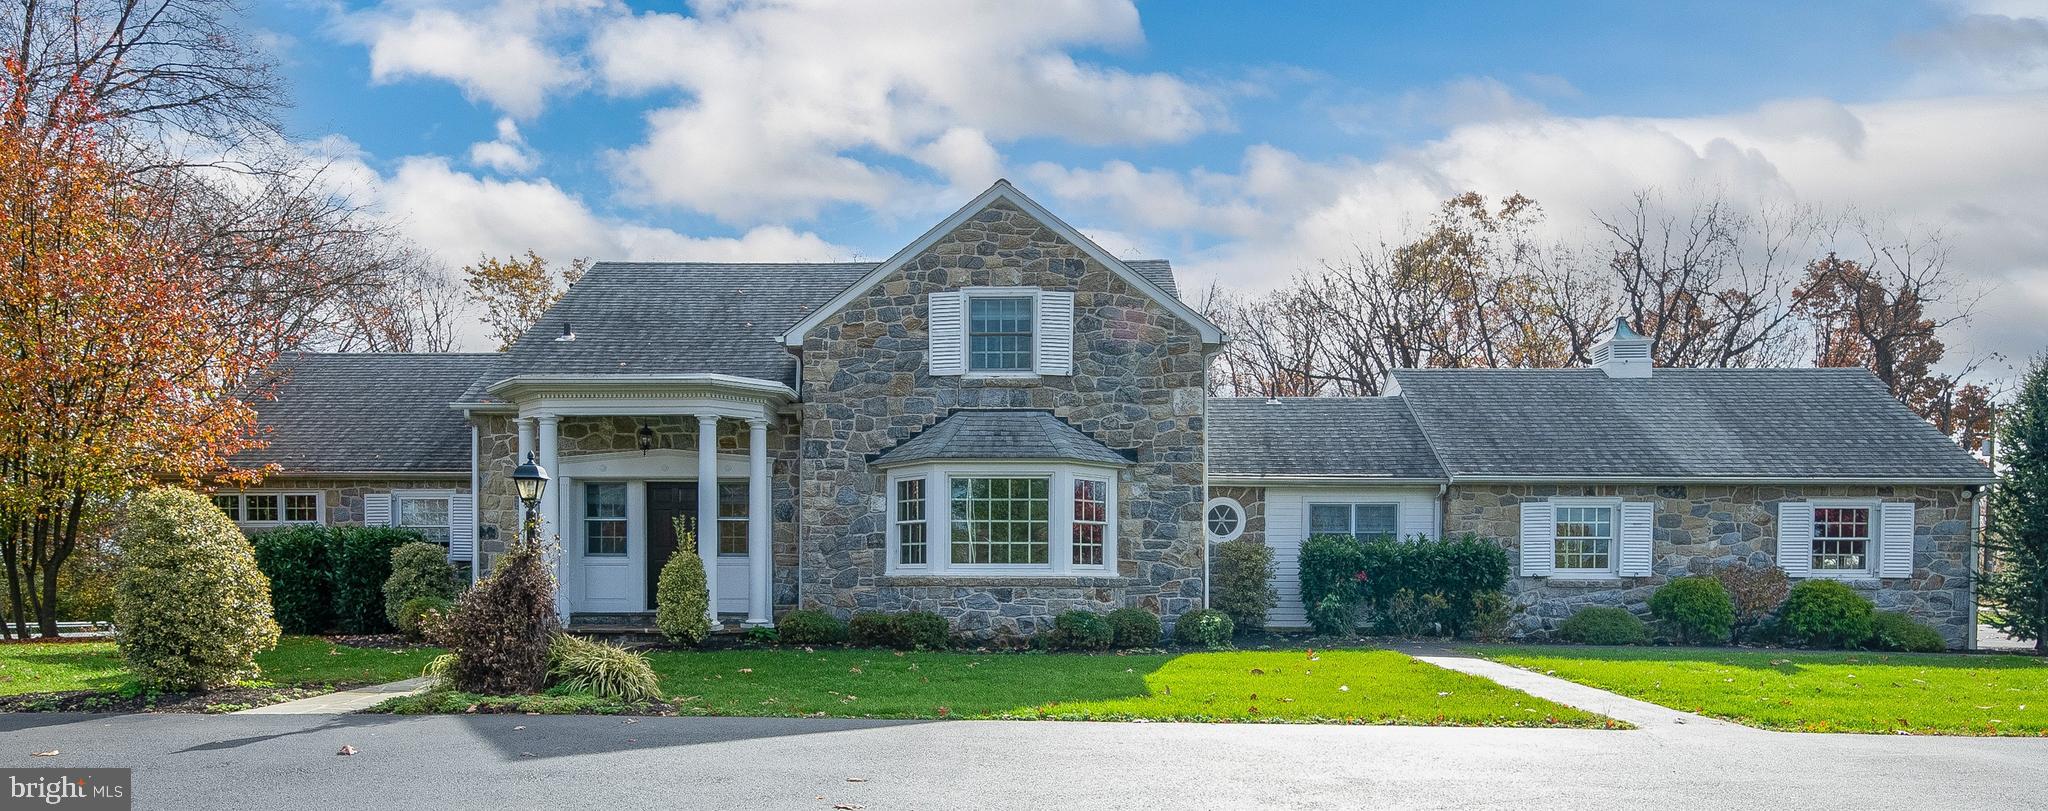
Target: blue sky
1243,141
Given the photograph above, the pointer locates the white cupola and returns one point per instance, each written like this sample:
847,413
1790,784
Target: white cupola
1622,353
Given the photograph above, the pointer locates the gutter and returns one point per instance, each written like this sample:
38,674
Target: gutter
1265,480
1635,479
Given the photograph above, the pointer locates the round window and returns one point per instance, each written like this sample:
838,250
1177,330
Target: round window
1224,519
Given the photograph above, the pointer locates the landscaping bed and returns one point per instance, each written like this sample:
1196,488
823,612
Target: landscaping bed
1815,691
1288,686
89,676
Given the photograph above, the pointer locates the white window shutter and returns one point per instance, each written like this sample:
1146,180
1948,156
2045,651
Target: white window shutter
461,526
1054,353
1539,538
1795,538
1895,544
1638,534
947,337
376,509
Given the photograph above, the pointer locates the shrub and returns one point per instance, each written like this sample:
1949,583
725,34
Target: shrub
1457,569
359,562
503,627
1204,627
1078,630
418,570
761,635
1134,628
605,671
807,627
1891,630
870,629
1604,625
1695,609
191,606
1826,614
301,588
910,630
421,618
682,600
1241,582
1412,615
1492,616
1756,592
1333,573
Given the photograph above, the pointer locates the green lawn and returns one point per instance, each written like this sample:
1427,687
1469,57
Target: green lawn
1349,686
49,667
1945,694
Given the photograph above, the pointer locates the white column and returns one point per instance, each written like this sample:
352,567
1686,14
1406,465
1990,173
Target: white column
525,427
760,607
546,448
707,508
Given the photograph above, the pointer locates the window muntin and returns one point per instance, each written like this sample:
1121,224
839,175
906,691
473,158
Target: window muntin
999,333
1091,521
913,547
1364,521
1841,539
1224,519
732,519
604,519
426,515
230,504
1001,520
301,508
269,508
1584,539
260,508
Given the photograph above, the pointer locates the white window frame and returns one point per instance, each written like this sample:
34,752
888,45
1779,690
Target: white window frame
583,519
241,498
1613,506
398,498
746,505
1308,511
1234,534
938,511
1871,543
967,297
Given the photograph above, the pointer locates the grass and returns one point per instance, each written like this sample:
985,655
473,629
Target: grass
50,667
1349,686
1932,693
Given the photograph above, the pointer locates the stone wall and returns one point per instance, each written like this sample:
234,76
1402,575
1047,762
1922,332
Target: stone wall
1137,384
498,502
1701,527
1253,499
344,497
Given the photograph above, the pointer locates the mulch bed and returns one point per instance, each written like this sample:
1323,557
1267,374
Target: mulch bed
228,699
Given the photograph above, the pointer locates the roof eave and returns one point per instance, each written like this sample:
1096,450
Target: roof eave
511,388
881,464
1265,479
1496,478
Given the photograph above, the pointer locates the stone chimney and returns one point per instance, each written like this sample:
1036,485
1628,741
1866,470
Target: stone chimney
1622,353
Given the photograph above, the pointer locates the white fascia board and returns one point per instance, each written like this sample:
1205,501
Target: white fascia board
1879,480
641,383
1229,480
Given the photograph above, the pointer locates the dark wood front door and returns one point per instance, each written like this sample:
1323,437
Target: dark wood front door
666,501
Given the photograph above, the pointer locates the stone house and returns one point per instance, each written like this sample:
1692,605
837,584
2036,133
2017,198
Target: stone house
1002,421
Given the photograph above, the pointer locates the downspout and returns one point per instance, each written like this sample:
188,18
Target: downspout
1443,507
1202,504
476,514
1976,561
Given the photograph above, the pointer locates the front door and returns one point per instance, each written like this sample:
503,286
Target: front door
666,502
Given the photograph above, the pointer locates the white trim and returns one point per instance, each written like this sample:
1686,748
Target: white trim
1261,480
1873,546
242,507
938,510
1613,540
398,498
1351,505
1002,190
967,297
1737,479
1226,501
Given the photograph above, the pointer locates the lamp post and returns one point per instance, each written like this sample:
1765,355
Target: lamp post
532,480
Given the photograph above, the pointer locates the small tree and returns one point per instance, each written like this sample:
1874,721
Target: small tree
502,629
515,291
2017,531
192,608
1242,582
682,601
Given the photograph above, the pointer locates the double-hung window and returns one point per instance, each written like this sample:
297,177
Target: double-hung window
1364,521
913,545
995,519
1000,333
424,514
1584,539
269,509
1841,539
604,519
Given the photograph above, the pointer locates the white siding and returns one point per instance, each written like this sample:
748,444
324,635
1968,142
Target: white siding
1287,526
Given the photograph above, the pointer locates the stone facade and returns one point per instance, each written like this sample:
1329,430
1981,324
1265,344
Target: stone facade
1699,527
344,497
1137,384
1253,499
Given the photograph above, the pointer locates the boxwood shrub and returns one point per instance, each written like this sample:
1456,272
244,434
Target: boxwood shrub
1204,627
1695,610
1604,625
331,578
1891,630
808,627
909,630
1078,630
1241,582
1826,614
1333,569
301,587
1134,627
418,570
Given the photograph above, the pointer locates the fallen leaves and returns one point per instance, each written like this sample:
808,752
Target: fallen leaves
346,750
51,753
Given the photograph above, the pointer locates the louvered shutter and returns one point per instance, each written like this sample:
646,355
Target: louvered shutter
1055,350
945,334
461,526
1895,543
1638,525
376,509
1539,538
1795,538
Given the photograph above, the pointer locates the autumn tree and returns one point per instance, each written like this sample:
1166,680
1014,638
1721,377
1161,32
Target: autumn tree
117,368
2016,533
515,291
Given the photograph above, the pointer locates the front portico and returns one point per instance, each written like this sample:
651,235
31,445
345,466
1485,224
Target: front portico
630,454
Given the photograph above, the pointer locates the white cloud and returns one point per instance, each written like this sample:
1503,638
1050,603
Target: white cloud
509,53
1993,49
508,154
788,107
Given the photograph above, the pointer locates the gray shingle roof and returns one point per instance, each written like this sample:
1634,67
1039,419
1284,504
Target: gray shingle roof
1000,434
1677,424
1317,436
1156,271
366,412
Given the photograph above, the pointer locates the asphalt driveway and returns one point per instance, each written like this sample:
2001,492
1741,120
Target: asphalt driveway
199,762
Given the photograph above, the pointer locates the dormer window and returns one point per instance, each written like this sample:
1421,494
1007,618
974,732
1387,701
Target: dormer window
999,333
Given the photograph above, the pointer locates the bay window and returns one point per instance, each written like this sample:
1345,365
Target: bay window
1002,519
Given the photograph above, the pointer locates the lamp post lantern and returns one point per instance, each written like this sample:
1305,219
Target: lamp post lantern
532,480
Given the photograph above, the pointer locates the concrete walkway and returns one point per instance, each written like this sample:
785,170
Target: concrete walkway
1642,714
344,701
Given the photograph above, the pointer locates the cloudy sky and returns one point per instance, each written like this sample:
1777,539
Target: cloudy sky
1242,144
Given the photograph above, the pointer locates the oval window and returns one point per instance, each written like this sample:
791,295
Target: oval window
1224,519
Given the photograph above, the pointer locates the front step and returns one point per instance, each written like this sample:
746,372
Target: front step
633,628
